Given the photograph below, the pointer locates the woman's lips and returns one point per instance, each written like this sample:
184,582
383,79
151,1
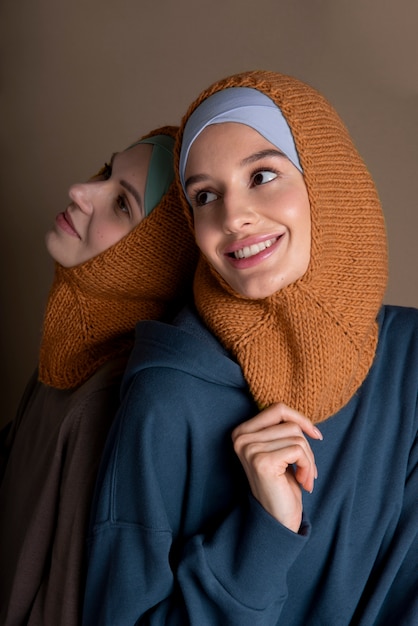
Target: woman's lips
255,248
64,222
253,251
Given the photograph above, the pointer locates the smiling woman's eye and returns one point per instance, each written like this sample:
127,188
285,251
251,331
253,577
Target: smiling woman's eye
263,176
200,198
122,204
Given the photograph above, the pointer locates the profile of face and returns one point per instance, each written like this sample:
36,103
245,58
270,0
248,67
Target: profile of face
251,209
103,210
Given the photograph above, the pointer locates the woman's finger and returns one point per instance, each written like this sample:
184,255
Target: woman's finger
277,414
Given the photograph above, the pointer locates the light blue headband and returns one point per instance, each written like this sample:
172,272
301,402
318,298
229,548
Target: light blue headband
160,171
246,106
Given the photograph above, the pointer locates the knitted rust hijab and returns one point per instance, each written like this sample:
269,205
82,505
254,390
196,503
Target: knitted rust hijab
93,308
311,344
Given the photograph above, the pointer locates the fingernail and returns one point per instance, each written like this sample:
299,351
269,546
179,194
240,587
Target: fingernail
318,433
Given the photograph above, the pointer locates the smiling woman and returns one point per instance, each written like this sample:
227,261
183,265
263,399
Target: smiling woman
123,252
103,210
250,209
263,440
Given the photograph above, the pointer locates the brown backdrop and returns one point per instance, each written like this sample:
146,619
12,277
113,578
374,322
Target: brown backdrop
81,78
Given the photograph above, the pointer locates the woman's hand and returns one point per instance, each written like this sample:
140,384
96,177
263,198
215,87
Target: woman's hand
278,460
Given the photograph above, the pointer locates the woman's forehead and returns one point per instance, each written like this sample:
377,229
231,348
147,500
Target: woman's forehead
241,105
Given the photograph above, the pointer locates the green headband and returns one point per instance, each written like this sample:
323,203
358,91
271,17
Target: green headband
160,170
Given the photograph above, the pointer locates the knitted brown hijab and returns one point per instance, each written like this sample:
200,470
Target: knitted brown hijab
311,344
93,308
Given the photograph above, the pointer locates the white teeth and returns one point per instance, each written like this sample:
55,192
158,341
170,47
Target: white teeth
248,251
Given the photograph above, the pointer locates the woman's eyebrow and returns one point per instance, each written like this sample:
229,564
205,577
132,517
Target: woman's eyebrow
127,185
197,178
257,156
132,191
253,158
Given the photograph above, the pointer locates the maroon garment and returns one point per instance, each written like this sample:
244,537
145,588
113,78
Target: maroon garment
52,449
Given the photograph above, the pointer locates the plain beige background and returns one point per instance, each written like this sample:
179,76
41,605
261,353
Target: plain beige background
82,78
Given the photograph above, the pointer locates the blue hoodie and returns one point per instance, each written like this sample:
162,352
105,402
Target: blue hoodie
176,536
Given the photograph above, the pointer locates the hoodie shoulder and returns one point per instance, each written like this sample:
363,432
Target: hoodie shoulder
184,345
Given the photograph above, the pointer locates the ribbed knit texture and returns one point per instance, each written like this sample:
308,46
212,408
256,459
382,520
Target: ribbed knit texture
311,344
93,308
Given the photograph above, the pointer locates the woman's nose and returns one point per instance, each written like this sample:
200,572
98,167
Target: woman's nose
238,212
84,195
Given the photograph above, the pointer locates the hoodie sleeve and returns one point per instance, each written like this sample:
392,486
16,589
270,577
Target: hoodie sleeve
398,585
155,556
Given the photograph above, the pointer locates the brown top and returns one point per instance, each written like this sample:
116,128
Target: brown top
56,443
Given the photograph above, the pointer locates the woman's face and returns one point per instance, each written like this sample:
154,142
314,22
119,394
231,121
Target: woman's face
251,209
103,210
